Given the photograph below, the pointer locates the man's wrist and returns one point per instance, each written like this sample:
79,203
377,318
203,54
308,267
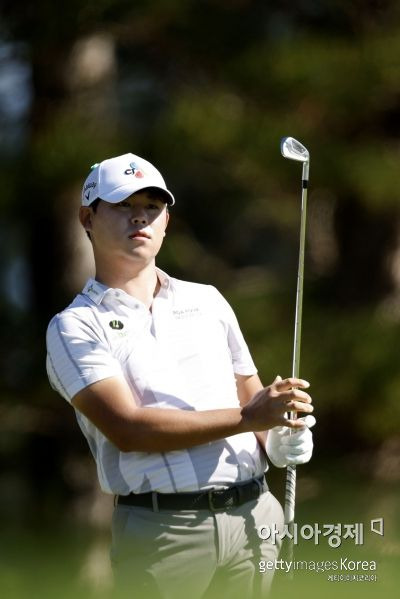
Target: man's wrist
245,426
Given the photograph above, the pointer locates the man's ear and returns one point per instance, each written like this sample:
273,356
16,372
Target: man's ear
166,217
85,217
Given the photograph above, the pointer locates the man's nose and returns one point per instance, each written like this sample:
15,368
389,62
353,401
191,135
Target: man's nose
139,218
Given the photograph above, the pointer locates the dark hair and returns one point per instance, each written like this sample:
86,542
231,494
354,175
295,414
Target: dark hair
155,193
93,205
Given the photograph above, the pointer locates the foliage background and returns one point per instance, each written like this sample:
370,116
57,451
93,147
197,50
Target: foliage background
205,90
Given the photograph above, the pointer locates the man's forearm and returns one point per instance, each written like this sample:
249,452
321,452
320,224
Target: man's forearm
157,429
110,406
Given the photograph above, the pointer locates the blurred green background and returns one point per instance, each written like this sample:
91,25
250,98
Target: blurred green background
205,89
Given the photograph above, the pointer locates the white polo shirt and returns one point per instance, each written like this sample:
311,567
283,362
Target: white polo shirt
181,355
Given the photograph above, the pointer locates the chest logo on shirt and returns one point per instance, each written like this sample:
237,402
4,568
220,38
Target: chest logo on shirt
186,313
116,324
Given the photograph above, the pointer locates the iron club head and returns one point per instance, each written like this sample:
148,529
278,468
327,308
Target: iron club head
294,150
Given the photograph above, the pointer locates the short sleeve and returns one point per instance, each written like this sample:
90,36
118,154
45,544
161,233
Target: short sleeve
77,356
241,358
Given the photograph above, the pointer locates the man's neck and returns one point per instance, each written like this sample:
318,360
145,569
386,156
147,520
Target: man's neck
142,284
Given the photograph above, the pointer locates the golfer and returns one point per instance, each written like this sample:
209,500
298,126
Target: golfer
167,395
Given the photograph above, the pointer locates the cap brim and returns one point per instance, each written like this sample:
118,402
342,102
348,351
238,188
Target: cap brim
121,193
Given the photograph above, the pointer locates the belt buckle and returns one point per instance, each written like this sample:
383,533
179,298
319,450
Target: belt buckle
211,504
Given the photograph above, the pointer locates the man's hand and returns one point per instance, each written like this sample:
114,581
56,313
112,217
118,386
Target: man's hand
267,409
286,447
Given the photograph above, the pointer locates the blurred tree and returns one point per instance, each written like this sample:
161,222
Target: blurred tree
72,70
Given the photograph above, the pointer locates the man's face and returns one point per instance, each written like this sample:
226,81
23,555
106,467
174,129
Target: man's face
133,228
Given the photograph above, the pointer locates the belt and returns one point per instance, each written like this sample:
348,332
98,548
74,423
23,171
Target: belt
211,499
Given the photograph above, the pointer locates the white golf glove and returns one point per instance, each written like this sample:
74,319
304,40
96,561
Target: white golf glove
285,449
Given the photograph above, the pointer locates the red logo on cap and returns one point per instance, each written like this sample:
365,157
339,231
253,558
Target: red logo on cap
139,174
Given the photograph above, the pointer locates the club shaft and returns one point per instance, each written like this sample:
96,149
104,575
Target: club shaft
300,277
290,491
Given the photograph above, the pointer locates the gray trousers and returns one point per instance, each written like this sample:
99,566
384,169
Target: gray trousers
193,554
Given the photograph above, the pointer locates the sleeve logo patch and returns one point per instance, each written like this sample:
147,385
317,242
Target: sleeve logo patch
116,324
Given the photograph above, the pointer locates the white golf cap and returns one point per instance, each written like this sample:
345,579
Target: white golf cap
115,179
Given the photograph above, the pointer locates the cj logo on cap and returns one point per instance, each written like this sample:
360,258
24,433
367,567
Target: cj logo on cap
134,170
116,324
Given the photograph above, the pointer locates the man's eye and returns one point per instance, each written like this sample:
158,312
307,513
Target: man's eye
123,204
153,207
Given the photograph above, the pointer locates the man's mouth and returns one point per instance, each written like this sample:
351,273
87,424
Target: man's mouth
139,235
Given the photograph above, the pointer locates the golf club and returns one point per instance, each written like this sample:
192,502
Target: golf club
294,150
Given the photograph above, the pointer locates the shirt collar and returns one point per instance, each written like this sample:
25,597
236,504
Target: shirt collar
164,279
96,291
